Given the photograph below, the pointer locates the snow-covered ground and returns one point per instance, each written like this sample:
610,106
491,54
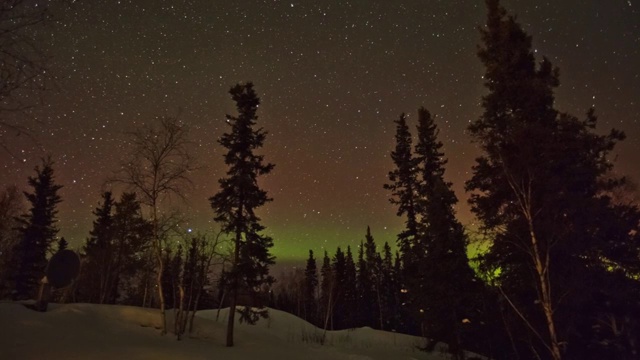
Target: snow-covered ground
89,331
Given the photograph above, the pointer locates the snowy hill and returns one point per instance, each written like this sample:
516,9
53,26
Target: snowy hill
89,331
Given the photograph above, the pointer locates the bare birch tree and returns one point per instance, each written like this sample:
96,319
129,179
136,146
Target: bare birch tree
159,167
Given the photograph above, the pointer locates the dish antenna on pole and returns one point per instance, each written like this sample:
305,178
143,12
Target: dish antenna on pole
63,268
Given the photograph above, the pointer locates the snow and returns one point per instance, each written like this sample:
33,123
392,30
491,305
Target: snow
90,331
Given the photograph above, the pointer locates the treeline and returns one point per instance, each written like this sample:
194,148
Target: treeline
117,260
138,251
343,293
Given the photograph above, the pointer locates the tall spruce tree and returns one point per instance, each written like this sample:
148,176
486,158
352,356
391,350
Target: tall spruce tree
97,251
237,200
403,187
350,296
38,232
445,284
370,287
374,263
338,267
363,286
132,236
559,242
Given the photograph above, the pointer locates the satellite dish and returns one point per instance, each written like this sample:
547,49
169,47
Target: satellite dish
63,267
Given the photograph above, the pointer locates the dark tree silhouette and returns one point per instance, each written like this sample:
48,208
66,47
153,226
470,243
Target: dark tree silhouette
38,232
114,252
310,289
444,287
237,200
327,292
403,188
98,252
63,244
537,188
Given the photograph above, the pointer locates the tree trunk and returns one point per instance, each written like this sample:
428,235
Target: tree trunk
179,323
542,270
380,307
146,287
195,308
523,194
158,246
232,312
326,318
163,317
224,295
234,289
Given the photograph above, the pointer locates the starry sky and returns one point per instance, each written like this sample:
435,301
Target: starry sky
332,76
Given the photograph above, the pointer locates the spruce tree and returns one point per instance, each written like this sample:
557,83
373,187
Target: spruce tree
63,244
369,282
350,295
132,237
191,279
445,284
38,232
338,267
387,289
538,189
374,264
310,289
403,319
237,200
403,187
98,251
327,290
404,194
363,286
172,276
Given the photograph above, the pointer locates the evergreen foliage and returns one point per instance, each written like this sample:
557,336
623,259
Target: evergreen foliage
172,276
237,200
389,291
445,284
363,287
327,290
114,251
350,297
339,272
97,251
310,289
63,244
561,245
346,288
403,187
38,232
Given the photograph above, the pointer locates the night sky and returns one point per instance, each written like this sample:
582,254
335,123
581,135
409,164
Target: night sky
332,76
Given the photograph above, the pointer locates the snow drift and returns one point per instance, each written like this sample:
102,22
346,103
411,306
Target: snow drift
90,331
